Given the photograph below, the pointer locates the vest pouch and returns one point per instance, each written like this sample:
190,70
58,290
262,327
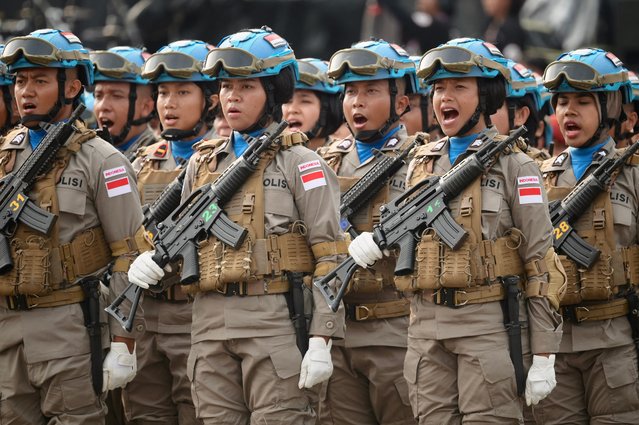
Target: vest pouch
573,293
34,267
9,280
428,263
366,282
456,269
220,264
596,282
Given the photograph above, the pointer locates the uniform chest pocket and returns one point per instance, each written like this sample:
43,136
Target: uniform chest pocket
71,201
622,215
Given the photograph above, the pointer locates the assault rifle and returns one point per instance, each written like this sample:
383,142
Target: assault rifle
563,213
198,217
423,206
15,205
372,182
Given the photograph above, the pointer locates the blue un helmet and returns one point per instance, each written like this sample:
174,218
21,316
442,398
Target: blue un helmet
179,62
592,71
50,48
424,90
257,53
375,60
312,75
470,57
522,90
122,64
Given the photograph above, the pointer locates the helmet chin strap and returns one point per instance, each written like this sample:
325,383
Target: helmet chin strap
118,139
369,135
174,134
54,111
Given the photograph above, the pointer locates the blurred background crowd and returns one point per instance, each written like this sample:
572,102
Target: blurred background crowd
530,31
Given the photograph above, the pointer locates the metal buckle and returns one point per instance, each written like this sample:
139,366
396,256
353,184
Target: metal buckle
445,296
362,308
235,288
18,302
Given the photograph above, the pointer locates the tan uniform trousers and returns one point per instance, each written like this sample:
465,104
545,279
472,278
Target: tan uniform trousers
160,393
593,387
249,381
467,380
366,388
53,392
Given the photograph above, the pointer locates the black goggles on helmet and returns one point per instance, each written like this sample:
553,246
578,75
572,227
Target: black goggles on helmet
177,64
362,61
112,64
456,59
38,51
579,75
239,62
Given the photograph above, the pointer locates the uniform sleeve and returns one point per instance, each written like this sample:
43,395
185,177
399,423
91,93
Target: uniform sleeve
317,199
529,206
118,206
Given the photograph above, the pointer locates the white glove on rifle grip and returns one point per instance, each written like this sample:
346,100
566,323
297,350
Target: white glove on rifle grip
364,250
317,365
119,367
541,379
144,272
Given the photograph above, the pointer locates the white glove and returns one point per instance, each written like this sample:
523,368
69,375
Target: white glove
144,271
364,250
119,367
541,379
317,365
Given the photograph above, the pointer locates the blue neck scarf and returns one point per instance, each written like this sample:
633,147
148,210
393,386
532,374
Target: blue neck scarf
458,145
240,145
35,137
582,158
183,149
365,150
126,145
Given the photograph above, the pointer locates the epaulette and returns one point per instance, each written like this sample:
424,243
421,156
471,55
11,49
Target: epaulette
431,149
555,163
157,151
15,138
341,146
210,145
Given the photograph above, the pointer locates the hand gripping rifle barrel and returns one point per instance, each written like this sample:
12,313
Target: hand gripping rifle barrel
424,206
565,212
198,217
372,182
15,205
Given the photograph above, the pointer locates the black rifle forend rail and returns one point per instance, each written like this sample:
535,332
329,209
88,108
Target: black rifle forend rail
372,182
563,213
423,206
198,217
15,205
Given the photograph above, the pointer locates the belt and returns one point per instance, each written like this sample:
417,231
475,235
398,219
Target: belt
61,297
457,297
174,295
601,311
383,310
260,287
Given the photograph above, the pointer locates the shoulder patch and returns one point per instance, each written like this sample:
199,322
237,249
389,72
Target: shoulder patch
438,146
18,139
560,159
160,151
344,144
392,142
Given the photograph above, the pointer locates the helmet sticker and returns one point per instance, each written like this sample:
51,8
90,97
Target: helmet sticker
70,37
614,59
399,50
522,70
275,40
492,49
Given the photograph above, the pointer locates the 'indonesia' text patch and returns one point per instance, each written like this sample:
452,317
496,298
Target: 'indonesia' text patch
313,179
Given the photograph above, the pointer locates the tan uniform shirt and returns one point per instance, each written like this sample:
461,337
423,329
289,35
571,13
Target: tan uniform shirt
624,196
287,201
384,332
84,202
501,210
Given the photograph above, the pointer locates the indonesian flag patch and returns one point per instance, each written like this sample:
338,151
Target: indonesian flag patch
118,186
530,195
313,179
